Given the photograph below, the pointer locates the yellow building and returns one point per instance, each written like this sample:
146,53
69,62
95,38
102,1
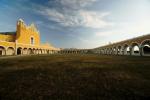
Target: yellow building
25,41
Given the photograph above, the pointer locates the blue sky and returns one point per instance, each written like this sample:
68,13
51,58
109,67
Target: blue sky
79,23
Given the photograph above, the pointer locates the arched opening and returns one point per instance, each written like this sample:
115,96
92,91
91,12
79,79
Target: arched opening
43,51
30,51
10,51
126,50
108,51
119,50
37,51
2,51
48,52
103,51
19,51
25,51
72,51
146,48
40,51
135,49
51,51
111,51
114,50
34,51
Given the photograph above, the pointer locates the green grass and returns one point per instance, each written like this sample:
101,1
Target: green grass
75,77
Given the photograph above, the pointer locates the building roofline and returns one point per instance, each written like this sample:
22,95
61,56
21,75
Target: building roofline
8,33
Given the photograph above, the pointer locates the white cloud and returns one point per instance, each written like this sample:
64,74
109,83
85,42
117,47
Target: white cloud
82,18
94,20
75,4
74,14
52,14
104,34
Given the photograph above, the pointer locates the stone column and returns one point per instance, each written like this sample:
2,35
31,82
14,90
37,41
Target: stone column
130,50
141,50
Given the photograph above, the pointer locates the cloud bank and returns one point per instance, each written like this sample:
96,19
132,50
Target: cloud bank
73,13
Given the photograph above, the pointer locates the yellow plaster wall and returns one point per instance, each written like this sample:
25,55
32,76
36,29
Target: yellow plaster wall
7,44
24,34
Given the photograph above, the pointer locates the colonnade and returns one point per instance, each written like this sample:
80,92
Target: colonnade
24,51
135,49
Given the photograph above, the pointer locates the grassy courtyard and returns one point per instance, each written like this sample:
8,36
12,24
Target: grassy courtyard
75,77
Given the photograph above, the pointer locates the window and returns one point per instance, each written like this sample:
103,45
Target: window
32,40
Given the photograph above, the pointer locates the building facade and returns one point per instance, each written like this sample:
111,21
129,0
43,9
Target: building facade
25,41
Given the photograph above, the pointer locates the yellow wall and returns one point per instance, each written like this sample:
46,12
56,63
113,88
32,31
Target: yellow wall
24,34
7,44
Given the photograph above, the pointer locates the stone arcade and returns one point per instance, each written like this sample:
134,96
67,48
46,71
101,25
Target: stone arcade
139,46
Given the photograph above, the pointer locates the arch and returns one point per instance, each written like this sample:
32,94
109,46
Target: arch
101,51
145,47
111,50
40,51
30,51
114,50
126,49
25,51
10,51
19,51
71,51
108,51
43,51
135,50
119,50
47,52
33,51
2,51
37,51
50,51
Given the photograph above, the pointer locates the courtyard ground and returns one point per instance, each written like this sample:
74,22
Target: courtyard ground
75,77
